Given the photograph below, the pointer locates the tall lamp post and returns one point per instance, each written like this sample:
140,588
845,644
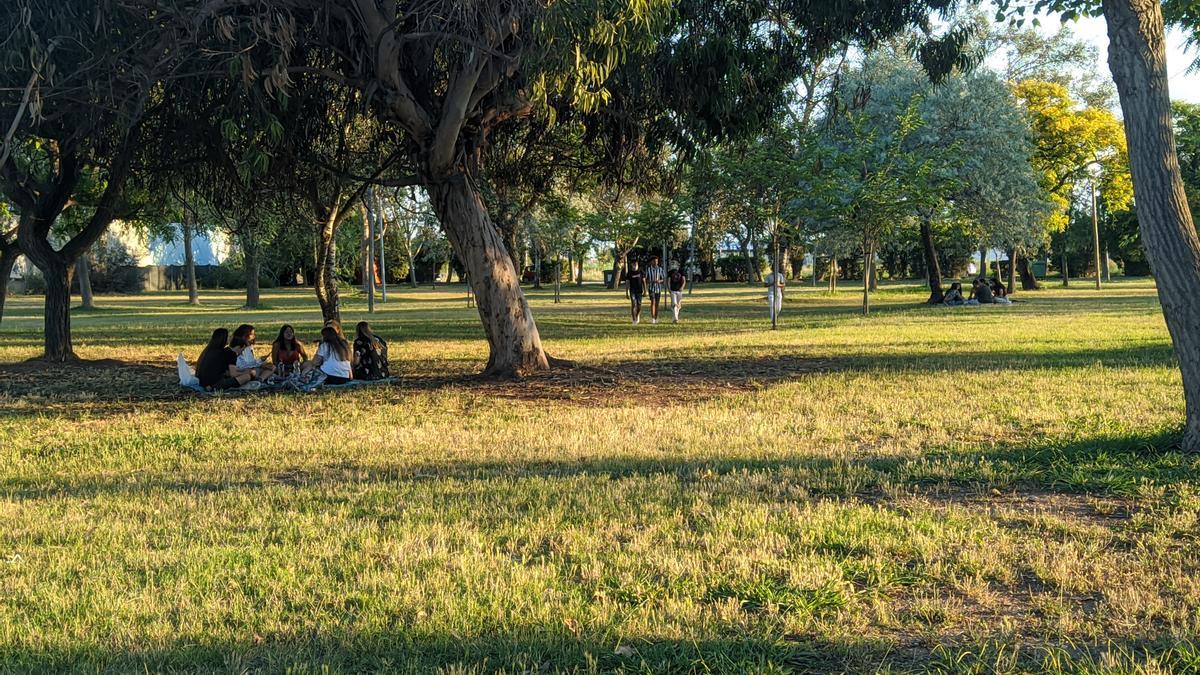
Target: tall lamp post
1096,234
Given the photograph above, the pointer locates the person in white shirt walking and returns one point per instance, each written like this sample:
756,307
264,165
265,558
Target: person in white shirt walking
655,280
775,282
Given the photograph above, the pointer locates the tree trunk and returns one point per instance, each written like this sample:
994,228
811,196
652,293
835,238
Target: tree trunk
250,262
1066,273
579,279
8,259
58,311
326,281
1012,270
537,266
83,273
1028,281
513,339
616,270
412,269
983,268
189,265
1137,58
933,268
868,272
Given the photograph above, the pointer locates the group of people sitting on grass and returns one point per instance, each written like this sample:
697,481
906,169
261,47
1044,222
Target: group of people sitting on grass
983,292
229,362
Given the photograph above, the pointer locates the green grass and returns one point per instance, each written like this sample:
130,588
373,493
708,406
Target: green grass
985,489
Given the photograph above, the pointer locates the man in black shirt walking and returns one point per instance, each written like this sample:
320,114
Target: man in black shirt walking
636,288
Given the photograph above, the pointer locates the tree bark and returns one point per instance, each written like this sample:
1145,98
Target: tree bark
1028,281
83,273
8,259
513,339
1065,271
250,263
326,281
983,268
189,264
58,311
933,268
1137,58
1012,270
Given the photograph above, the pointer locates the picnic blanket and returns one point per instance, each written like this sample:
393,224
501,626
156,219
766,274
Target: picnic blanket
188,380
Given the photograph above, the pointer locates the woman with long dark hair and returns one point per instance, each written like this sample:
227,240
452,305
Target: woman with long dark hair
334,358
287,351
217,366
370,354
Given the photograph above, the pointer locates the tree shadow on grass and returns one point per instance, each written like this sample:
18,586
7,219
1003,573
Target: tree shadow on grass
567,647
1110,466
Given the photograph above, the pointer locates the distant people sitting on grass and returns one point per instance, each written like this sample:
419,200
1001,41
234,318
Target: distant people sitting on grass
217,366
999,292
981,293
636,288
370,354
334,358
287,352
954,296
246,358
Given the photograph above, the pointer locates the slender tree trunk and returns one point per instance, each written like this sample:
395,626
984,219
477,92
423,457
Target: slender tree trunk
1012,270
512,333
537,266
983,268
326,281
412,267
250,262
83,272
868,272
8,259
616,270
933,268
1066,273
189,265
1137,58
579,279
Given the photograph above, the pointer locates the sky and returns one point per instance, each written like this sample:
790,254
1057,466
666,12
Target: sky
1184,86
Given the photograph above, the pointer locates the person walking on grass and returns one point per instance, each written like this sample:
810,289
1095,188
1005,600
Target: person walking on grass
655,280
675,284
636,287
775,282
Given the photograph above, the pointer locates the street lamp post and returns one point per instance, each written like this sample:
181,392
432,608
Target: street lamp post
1096,234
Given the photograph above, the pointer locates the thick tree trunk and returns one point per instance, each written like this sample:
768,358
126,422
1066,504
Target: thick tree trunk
83,272
189,265
1137,58
326,281
1028,281
512,334
933,268
250,263
58,312
8,259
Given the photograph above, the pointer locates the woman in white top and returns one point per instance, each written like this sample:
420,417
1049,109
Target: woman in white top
334,358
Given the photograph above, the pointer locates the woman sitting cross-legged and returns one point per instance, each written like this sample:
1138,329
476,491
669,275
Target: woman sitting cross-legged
333,358
370,354
217,366
287,351
954,296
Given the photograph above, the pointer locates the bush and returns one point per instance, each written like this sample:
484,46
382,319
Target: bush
733,267
114,269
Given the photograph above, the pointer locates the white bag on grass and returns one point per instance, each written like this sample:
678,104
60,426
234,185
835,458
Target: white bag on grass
187,378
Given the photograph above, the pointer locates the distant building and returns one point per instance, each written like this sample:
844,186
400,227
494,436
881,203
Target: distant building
161,258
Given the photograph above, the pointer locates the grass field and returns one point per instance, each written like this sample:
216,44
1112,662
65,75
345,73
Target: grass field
984,489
